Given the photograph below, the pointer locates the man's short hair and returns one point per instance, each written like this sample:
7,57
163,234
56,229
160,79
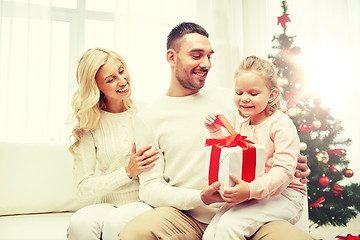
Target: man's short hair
181,29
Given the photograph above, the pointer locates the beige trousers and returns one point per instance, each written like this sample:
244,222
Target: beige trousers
167,223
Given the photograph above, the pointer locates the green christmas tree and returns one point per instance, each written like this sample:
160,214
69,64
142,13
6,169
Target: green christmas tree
331,202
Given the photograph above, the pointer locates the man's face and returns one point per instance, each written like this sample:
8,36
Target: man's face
193,61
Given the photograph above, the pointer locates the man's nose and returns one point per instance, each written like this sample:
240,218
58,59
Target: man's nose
205,63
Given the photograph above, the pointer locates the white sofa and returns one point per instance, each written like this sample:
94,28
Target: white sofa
37,194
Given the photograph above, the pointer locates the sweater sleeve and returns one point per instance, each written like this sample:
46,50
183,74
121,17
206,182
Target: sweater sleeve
154,189
90,185
286,148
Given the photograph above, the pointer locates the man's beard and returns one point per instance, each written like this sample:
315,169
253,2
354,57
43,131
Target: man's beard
187,83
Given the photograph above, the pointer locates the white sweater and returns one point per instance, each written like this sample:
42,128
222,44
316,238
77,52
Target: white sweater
99,168
175,126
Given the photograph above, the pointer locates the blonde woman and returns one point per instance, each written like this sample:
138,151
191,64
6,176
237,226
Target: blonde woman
106,163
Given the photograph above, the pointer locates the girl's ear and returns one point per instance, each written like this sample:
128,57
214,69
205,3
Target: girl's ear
273,94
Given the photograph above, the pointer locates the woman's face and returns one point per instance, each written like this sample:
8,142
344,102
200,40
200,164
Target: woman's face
113,81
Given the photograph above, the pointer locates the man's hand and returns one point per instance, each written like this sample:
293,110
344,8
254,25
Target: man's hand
302,169
210,194
237,194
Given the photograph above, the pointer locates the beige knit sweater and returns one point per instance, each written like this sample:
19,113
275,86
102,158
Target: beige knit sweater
103,154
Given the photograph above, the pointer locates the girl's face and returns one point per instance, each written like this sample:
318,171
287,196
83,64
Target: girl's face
252,96
113,81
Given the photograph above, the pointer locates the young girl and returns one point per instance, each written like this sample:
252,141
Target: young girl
277,195
106,163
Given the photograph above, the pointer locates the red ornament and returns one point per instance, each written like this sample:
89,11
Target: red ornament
333,169
326,127
337,190
348,173
324,181
305,127
283,19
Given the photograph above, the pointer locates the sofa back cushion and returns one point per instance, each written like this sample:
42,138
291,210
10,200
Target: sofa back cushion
36,178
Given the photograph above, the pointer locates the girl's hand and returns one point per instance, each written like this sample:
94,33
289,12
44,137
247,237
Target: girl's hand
210,123
237,194
141,160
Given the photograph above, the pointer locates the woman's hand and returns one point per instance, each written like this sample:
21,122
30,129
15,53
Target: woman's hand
141,160
302,169
210,123
237,194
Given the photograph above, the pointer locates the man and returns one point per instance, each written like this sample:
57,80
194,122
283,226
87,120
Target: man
176,185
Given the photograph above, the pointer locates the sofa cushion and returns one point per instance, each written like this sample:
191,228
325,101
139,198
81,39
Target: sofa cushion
35,226
36,178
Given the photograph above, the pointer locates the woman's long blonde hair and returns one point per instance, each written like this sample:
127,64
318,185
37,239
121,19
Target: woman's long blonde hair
88,100
267,71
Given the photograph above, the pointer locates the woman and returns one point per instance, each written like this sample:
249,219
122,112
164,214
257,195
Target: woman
106,163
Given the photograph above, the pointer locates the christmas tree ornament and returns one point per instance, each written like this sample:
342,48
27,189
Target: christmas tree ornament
337,190
282,81
305,113
348,173
318,202
283,19
333,169
303,146
326,127
316,124
305,127
324,181
294,112
336,152
290,98
322,156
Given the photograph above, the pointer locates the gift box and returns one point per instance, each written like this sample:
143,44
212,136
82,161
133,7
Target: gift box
347,237
233,154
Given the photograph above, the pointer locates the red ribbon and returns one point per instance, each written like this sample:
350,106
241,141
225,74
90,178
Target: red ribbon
317,202
249,152
337,152
349,237
290,98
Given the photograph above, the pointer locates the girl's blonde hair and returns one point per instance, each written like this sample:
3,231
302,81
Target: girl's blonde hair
266,70
88,100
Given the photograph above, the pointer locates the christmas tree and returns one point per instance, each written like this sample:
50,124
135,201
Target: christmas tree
331,202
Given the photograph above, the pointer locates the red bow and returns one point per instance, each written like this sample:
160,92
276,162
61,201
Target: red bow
290,98
317,202
349,237
235,139
277,62
337,152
